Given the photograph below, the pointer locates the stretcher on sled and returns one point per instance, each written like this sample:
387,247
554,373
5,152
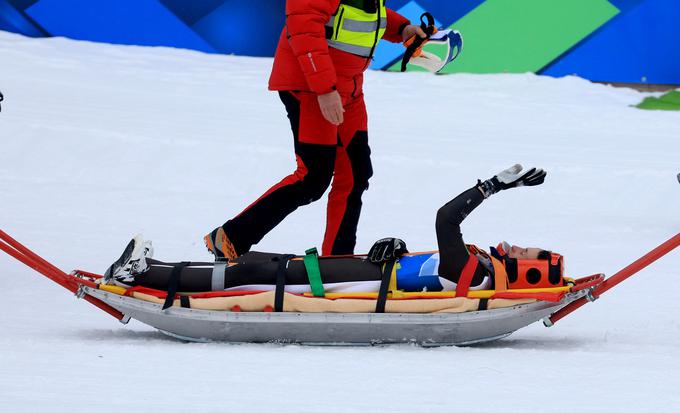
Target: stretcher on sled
425,318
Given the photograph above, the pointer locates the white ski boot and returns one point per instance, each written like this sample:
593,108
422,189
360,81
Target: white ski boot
131,263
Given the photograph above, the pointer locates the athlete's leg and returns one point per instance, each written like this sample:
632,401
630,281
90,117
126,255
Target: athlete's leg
315,145
352,171
195,277
255,268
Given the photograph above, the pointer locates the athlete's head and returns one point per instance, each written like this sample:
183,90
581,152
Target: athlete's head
522,253
530,267
529,253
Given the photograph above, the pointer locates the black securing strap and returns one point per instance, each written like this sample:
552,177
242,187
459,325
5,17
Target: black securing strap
184,301
384,287
511,269
281,281
173,284
483,304
555,271
428,28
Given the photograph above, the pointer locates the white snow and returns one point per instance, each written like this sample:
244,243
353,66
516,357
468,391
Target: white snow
99,142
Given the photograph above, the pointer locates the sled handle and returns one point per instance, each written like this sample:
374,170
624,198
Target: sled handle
615,279
21,253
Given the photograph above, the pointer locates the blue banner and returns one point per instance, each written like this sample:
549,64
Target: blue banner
641,44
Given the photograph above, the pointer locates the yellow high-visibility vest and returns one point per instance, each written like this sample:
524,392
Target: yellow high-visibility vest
357,26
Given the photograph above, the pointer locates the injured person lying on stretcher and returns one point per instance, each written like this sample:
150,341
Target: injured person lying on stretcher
455,266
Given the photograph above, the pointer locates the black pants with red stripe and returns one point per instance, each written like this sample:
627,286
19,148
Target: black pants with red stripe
345,161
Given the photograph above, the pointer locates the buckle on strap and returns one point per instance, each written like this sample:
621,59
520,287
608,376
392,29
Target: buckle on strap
311,261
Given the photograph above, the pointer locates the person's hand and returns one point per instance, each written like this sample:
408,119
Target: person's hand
512,178
386,249
331,107
412,30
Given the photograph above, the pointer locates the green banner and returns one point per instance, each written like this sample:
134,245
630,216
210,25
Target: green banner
517,36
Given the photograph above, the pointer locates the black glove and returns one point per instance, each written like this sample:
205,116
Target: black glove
511,178
386,249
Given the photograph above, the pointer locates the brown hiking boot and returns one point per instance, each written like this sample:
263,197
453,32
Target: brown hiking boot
219,245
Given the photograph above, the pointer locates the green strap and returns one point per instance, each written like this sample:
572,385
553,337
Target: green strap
311,261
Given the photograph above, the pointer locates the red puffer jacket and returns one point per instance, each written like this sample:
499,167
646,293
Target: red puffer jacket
303,60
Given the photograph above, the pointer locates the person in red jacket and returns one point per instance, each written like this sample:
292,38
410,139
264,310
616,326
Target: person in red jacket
323,51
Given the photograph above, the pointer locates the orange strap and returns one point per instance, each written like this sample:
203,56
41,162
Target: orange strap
463,285
419,49
500,276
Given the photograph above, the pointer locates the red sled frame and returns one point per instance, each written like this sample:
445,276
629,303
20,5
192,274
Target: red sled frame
15,249
615,279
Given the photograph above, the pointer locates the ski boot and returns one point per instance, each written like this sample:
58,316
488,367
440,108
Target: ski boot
219,245
131,263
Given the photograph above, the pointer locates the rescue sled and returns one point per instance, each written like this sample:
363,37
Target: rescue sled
428,319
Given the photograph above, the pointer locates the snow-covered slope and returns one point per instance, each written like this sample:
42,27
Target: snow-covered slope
98,142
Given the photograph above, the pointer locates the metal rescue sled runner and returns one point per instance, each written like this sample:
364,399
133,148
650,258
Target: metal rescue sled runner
425,318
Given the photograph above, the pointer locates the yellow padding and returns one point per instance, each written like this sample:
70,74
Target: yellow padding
393,278
113,289
299,304
443,294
